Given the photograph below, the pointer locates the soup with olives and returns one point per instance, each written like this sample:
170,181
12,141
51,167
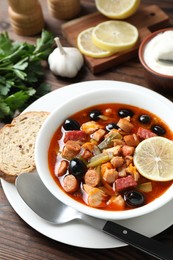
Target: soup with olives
91,156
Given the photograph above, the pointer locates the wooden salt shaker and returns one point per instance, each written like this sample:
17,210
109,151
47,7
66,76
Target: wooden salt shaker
64,9
26,17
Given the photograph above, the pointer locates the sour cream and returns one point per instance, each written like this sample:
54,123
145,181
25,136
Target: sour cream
158,53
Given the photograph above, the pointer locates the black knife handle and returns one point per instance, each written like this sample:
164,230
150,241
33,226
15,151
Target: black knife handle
147,245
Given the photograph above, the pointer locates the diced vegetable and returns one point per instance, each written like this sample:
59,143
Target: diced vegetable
113,134
145,187
99,159
103,117
118,201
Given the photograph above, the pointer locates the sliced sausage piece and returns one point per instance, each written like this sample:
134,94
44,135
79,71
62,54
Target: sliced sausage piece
89,146
70,183
127,150
122,170
117,161
145,133
98,135
75,135
110,175
62,168
71,149
92,177
125,125
90,127
131,140
125,182
118,142
87,150
96,197
86,154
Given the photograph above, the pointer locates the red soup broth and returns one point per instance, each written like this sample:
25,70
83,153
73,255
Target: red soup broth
110,111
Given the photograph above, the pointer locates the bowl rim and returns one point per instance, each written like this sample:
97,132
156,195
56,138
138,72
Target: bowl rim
142,48
84,208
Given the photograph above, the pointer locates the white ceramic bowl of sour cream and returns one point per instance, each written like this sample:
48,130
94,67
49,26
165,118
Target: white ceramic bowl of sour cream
156,56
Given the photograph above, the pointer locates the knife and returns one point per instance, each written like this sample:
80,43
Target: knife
133,238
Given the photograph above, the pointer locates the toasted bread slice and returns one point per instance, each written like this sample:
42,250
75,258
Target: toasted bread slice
17,144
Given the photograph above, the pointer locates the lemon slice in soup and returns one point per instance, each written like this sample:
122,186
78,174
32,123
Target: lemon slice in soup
153,158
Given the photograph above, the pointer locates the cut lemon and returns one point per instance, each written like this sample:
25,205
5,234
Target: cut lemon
117,9
87,47
153,158
115,36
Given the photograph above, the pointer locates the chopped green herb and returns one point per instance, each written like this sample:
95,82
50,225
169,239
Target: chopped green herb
21,73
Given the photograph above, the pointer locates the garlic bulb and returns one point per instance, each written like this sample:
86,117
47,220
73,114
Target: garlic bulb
65,61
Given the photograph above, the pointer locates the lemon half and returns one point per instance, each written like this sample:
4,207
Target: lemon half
153,158
115,36
87,47
117,9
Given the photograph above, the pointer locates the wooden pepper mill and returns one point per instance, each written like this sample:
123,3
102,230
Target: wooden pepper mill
64,9
26,17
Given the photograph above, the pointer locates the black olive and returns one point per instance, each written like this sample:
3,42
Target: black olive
125,112
71,124
94,114
144,119
134,198
111,126
77,167
159,130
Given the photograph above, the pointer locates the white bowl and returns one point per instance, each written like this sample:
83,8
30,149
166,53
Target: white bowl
125,93
156,80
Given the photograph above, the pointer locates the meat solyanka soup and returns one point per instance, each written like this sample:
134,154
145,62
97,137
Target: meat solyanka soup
91,156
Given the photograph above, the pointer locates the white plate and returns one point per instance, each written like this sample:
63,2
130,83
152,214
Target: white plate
77,233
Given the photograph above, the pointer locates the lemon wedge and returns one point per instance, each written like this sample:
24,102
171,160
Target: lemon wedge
117,9
87,47
115,36
153,158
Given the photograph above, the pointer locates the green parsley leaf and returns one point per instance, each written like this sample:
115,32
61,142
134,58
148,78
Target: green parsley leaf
22,73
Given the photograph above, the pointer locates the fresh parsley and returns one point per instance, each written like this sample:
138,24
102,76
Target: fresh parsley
21,73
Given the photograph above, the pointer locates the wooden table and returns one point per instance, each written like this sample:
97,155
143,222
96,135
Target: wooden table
17,239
